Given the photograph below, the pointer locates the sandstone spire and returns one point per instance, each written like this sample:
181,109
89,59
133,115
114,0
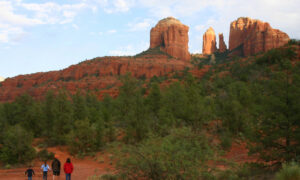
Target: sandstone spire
222,45
172,36
209,42
255,36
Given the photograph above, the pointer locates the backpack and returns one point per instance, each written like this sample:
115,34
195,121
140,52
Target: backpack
56,165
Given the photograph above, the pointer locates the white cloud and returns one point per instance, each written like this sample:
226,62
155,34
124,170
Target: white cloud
52,13
2,79
11,35
200,27
130,50
75,26
112,6
13,23
142,25
7,16
112,31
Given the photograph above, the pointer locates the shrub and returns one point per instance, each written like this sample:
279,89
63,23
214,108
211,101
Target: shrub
226,140
16,147
82,139
294,42
44,155
104,177
289,172
180,155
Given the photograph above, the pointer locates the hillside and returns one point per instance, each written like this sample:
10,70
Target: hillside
99,75
168,54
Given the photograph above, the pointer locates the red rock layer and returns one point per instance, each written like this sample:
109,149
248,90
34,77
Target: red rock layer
255,36
100,75
222,45
209,42
172,36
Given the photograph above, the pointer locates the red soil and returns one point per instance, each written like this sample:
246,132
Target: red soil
239,154
83,168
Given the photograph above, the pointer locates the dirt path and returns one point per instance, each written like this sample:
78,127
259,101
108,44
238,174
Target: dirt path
83,168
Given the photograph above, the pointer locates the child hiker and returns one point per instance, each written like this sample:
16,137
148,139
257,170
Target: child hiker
45,169
29,172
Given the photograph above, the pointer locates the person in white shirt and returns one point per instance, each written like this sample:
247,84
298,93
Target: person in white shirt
45,169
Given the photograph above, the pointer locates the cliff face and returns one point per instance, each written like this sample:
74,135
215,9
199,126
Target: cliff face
172,36
100,75
222,45
255,36
209,42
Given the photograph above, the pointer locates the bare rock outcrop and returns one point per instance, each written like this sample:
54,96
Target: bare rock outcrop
255,36
172,37
100,75
209,42
222,45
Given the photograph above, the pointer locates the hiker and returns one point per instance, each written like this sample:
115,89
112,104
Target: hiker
55,167
68,168
45,169
29,172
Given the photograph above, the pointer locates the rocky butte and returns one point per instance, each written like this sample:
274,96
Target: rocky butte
222,45
102,75
172,37
168,37
209,42
254,36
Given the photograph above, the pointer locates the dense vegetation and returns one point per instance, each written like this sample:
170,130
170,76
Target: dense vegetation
168,133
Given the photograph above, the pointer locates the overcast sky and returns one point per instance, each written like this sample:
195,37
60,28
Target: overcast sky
44,35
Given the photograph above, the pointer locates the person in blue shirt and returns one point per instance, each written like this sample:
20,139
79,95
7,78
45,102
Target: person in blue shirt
45,169
29,172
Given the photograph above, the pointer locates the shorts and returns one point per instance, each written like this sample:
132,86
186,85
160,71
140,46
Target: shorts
56,173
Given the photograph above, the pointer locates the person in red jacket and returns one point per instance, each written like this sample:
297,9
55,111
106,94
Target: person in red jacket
68,168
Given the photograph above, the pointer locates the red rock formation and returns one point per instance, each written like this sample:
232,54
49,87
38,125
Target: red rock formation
222,45
255,36
209,42
172,36
100,75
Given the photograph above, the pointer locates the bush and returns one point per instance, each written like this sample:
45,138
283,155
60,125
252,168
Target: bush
294,42
44,155
104,177
82,139
289,172
16,147
226,140
180,155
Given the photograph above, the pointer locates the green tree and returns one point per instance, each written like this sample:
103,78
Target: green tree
63,122
277,136
50,112
154,103
180,155
82,139
132,110
108,116
79,106
16,147
198,109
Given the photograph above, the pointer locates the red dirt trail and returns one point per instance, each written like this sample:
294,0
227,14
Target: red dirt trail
83,168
